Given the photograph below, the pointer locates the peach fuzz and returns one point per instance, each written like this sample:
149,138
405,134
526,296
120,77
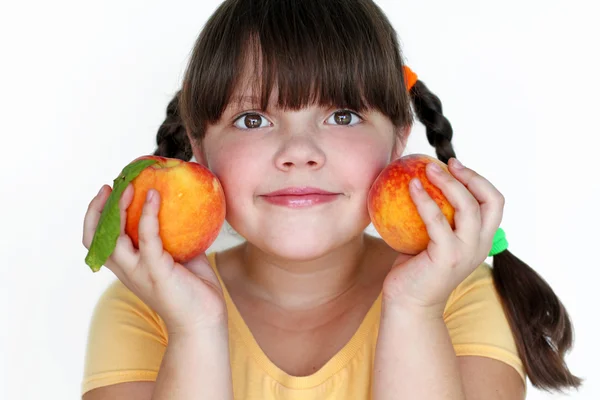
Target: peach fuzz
392,210
192,205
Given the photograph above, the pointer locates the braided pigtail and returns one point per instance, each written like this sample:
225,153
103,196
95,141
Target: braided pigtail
171,138
428,109
539,321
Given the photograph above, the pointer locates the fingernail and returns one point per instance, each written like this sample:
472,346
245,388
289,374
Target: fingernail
149,196
435,168
101,190
417,184
457,164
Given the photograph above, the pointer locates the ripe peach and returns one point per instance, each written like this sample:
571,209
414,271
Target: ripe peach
392,209
192,205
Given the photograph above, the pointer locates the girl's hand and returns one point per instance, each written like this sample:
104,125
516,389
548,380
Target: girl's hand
424,282
187,297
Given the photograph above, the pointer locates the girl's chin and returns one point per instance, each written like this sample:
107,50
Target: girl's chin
302,241
299,248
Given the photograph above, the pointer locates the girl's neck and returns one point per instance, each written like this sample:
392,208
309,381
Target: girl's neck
304,285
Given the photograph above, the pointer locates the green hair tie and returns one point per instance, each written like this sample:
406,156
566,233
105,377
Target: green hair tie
499,244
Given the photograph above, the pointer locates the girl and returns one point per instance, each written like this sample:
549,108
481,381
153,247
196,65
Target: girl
296,106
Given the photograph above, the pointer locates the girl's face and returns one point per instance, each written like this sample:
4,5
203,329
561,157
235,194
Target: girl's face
256,153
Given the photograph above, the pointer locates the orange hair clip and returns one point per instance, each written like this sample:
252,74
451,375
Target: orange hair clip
410,78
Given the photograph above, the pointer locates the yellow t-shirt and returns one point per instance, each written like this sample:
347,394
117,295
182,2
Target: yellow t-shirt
127,341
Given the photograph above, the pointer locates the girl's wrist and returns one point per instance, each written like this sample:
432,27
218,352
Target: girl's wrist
196,333
194,329
196,364
410,312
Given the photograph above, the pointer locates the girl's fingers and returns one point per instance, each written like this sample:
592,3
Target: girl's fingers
124,256
439,230
200,267
467,218
121,260
491,201
124,202
92,215
150,244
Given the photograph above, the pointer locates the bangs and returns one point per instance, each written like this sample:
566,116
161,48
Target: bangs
312,52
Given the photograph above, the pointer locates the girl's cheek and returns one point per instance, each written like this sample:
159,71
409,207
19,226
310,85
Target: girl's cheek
233,162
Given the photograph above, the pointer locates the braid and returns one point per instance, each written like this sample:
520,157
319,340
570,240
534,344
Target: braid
171,138
428,108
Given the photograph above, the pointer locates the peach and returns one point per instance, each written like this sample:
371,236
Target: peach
192,205
392,210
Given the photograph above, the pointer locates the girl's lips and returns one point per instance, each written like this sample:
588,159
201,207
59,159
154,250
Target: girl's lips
298,190
302,200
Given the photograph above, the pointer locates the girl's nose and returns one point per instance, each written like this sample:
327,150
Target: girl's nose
299,152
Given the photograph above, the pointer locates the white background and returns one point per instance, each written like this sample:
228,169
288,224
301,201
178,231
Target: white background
84,86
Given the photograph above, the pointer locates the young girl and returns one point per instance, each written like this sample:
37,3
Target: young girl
296,106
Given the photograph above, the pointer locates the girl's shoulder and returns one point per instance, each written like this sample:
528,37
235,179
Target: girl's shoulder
126,340
481,275
118,304
477,323
478,286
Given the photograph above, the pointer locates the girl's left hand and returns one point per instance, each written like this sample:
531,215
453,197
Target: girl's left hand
424,282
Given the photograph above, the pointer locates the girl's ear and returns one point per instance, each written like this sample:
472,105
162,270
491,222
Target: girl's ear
400,140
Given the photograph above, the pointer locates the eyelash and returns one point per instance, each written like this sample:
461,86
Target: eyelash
237,118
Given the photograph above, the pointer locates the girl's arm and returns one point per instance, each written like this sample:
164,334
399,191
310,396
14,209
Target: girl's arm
188,297
196,366
193,367
415,359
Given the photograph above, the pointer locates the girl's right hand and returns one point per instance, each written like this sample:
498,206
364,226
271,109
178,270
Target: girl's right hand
187,297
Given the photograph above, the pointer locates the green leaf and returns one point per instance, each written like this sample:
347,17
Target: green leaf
109,225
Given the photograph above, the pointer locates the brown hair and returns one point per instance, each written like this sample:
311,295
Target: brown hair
345,53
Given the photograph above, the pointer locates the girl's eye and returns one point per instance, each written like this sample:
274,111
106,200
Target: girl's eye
344,117
251,121
255,120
